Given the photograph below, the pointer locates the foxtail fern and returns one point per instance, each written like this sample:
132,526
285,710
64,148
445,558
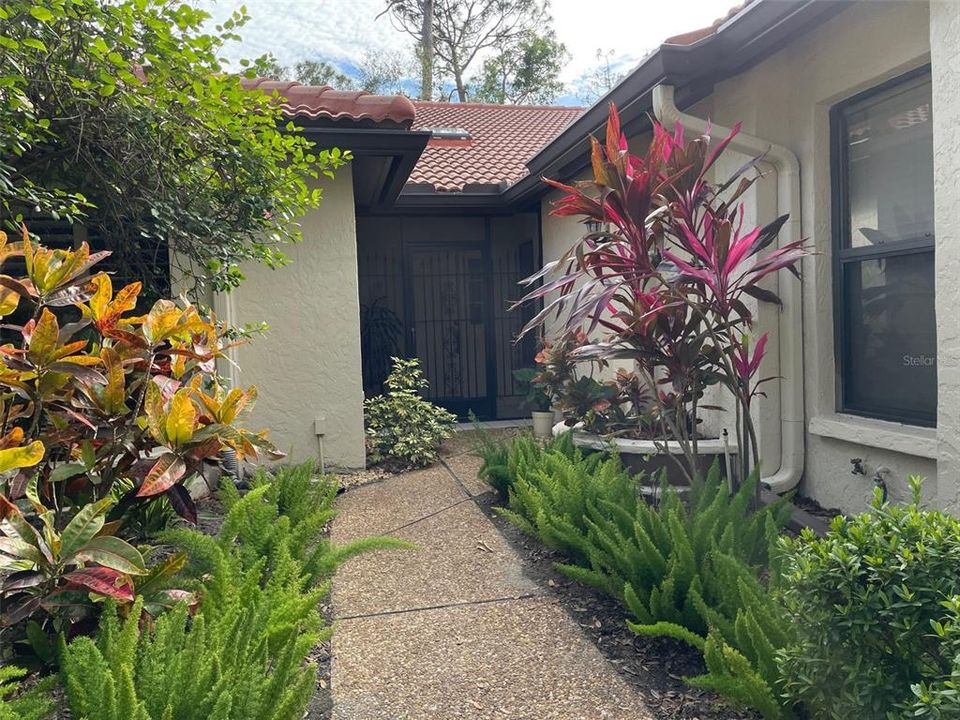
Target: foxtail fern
242,655
32,704
684,568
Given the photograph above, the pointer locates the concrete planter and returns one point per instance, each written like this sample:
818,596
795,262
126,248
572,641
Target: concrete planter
543,424
649,456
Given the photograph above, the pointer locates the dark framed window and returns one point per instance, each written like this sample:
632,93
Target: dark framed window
882,167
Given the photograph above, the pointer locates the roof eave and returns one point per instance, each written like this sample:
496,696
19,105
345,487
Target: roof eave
388,153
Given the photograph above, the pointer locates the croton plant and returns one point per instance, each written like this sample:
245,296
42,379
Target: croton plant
667,281
94,395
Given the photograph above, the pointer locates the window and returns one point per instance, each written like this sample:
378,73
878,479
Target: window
884,265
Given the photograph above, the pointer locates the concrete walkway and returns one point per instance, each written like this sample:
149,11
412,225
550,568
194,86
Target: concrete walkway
455,630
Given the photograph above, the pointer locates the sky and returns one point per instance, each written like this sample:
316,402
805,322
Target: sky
342,31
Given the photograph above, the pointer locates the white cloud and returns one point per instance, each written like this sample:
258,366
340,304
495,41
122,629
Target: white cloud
342,31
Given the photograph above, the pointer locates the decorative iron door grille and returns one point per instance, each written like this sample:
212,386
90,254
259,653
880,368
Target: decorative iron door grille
449,324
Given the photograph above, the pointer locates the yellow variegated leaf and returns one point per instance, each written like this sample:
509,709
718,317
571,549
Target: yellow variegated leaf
114,397
181,419
85,360
97,305
19,457
153,407
9,301
236,401
43,341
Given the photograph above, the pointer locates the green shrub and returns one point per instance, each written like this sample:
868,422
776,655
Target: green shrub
688,570
243,654
939,699
867,601
33,704
402,427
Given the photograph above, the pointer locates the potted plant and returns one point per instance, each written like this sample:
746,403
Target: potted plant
537,398
667,283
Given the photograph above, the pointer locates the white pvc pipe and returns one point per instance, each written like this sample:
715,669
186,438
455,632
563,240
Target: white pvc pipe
790,334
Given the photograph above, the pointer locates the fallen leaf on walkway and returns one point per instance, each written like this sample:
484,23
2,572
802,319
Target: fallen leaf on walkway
481,545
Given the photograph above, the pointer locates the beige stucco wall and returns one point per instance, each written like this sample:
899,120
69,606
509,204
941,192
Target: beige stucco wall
307,366
945,59
787,99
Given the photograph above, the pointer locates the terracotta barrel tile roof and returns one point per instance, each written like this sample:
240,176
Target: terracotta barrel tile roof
502,139
313,102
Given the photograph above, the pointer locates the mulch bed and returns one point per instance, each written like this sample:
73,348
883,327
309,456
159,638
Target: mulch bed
655,666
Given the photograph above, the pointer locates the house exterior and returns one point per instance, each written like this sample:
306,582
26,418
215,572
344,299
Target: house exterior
417,246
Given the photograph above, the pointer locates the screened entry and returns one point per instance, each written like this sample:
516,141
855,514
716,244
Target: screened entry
439,289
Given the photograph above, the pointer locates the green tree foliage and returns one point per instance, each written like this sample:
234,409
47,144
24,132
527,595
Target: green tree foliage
875,611
384,72
242,656
387,72
525,72
687,570
402,427
308,72
314,72
601,78
457,33
122,115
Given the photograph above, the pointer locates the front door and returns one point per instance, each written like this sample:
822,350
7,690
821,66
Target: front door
449,326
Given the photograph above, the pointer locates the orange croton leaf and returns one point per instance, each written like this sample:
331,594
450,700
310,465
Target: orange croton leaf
104,309
163,475
224,407
165,321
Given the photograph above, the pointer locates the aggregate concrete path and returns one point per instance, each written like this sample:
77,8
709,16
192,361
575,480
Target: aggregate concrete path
454,630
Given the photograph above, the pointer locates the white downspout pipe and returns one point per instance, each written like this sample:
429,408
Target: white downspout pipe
790,333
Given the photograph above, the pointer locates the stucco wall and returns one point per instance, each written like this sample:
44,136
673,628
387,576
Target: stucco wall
307,366
787,100
945,59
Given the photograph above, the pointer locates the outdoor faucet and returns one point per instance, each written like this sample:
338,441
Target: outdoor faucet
858,468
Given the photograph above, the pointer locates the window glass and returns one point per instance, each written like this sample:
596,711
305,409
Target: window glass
887,335
891,344
890,166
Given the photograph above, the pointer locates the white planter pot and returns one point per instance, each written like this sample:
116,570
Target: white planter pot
543,424
648,455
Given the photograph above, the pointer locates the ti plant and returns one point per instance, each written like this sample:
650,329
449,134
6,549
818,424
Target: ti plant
95,397
670,279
